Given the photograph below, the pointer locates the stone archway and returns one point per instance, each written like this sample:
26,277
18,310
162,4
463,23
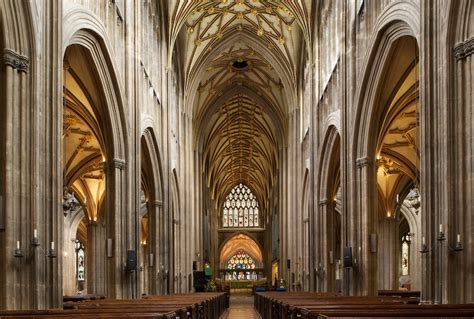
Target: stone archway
84,30
327,269
244,248
374,97
152,222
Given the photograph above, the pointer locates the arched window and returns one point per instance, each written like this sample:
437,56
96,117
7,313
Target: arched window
405,258
240,208
241,267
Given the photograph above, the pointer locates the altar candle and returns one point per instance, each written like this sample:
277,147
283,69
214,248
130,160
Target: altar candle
35,233
52,245
17,244
423,241
458,238
440,228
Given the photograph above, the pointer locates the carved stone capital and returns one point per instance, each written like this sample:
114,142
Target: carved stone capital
157,203
324,201
119,163
17,61
464,49
363,161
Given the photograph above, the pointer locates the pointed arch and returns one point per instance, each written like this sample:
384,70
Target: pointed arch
85,29
244,241
151,164
329,165
397,20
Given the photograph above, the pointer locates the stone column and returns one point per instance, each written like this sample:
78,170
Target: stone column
14,272
460,275
365,270
155,238
117,221
322,263
96,259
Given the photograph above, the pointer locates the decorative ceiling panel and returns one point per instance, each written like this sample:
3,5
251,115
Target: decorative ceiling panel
239,60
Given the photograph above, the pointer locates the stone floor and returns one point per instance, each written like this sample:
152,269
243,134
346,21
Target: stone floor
241,307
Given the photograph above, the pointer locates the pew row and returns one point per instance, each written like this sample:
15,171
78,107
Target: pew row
195,305
278,305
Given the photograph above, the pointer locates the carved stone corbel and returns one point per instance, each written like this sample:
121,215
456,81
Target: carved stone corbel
363,161
157,203
464,49
119,163
17,61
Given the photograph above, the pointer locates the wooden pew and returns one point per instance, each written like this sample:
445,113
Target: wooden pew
390,311
322,305
85,313
82,297
198,305
400,293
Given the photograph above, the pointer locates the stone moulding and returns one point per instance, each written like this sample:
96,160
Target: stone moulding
157,203
119,163
17,61
363,161
464,49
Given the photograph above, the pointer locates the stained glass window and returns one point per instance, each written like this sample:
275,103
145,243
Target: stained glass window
80,261
405,255
243,267
240,208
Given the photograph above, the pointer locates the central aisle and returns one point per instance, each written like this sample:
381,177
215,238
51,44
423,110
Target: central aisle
241,307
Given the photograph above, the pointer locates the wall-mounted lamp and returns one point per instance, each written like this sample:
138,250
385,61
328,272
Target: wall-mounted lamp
52,251
18,252
424,247
35,240
458,245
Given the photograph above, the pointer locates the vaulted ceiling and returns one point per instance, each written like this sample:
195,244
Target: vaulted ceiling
240,60
398,143
83,144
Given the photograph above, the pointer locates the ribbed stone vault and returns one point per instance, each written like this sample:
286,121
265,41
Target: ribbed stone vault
240,62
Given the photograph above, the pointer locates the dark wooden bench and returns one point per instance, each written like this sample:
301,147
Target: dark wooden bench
400,293
198,305
390,311
86,313
322,305
69,298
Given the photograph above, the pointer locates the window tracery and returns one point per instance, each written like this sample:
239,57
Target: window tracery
241,266
241,208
